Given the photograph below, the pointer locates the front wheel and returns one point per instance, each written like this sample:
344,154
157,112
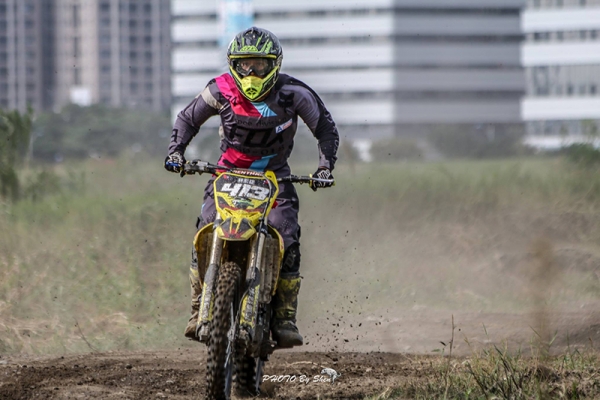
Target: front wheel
249,372
221,350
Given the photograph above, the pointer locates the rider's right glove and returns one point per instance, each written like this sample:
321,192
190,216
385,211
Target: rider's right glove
322,173
174,162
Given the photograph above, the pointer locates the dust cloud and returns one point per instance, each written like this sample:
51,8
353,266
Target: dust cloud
391,278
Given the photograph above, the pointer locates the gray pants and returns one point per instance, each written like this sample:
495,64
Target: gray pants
283,217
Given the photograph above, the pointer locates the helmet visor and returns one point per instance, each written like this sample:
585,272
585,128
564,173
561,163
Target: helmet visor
258,65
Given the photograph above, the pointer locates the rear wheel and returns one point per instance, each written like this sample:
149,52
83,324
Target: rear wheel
221,347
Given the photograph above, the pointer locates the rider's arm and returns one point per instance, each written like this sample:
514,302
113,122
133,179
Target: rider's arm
190,119
318,119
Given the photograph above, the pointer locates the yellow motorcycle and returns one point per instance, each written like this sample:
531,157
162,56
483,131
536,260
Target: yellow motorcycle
235,313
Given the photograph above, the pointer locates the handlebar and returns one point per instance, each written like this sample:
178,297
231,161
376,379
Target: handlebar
201,167
302,179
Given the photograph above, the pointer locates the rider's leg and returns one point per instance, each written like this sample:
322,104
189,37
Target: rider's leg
196,290
207,216
285,303
284,218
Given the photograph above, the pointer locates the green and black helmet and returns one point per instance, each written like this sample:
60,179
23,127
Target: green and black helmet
254,58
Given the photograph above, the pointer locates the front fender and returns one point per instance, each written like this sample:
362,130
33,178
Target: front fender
202,243
236,229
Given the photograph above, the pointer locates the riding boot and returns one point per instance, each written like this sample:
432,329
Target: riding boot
196,291
285,304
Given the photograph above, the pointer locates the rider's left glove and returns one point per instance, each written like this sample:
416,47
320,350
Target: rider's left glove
174,162
322,173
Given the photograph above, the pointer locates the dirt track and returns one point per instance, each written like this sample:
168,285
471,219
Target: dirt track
177,375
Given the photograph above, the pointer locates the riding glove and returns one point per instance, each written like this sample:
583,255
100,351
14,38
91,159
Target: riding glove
322,173
174,162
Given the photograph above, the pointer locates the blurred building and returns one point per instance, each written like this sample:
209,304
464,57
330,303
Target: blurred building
26,51
114,52
561,55
383,67
457,62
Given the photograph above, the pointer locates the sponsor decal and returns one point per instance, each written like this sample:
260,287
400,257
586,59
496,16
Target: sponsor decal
283,127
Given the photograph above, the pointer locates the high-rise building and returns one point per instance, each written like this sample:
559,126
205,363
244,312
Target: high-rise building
26,73
561,55
383,67
114,52
456,62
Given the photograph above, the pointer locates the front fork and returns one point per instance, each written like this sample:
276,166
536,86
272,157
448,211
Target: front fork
259,290
254,279
208,288
255,311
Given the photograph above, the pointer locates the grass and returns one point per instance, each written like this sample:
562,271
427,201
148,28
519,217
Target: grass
497,373
94,270
104,267
437,223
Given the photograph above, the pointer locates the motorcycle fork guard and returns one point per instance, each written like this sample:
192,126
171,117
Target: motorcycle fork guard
205,313
253,278
261,277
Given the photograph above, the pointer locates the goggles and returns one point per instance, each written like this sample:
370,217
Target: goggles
257,65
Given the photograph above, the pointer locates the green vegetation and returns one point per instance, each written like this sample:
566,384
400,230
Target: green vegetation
15,130
396,149
21,178
454,235
496,373
99,131
101,264
583,155
484,141
96,268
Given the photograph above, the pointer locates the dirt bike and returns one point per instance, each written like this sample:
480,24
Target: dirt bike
239,258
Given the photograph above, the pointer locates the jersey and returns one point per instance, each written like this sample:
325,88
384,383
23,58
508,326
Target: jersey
258,135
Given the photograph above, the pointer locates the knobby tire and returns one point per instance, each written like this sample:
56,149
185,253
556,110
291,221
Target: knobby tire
247,378
216,374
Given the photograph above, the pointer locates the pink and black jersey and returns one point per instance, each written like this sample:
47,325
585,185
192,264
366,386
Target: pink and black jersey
258,135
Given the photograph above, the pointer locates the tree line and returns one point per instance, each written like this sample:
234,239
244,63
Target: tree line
74,133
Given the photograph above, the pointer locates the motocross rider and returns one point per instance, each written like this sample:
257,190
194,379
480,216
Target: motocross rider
259,109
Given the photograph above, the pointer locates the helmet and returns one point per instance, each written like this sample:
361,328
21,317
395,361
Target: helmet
254,56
